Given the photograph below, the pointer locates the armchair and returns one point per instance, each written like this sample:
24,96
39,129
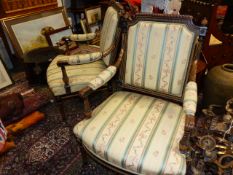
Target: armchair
138,128
67,75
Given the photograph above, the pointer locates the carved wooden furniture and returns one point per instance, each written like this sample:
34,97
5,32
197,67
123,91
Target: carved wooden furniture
68,75
138,128
217,46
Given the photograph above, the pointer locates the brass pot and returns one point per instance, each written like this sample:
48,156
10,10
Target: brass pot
218,85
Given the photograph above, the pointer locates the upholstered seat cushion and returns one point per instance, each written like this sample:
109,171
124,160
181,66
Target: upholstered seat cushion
136,133
79,75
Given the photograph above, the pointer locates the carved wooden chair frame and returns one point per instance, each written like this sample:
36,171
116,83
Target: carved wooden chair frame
121,64
111,50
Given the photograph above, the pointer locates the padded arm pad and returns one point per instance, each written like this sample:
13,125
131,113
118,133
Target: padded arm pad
190,98
82,37
102,78
81,58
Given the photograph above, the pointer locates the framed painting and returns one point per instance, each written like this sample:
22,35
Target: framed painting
26,32
5,79
93,14
54,37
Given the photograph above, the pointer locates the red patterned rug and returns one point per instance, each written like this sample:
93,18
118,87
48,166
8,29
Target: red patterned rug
49,147
34,97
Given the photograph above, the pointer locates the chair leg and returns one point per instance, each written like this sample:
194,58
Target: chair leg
61,108
83,153
87,108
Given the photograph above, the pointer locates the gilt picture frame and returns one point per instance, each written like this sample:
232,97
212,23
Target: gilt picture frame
93,14
93,17
55,36
26,32
5,79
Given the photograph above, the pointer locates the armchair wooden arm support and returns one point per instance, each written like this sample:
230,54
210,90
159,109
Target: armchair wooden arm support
85,92
63,63
189,123
185,146
88,90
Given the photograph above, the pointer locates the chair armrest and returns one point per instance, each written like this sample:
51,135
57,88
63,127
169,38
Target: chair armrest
189,106
79,59
82,37
190,98
113,69
84,58
102,78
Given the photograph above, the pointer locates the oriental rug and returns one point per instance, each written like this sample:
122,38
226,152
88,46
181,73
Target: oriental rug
49,147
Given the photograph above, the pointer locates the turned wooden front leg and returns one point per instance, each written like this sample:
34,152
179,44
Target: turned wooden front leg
87,108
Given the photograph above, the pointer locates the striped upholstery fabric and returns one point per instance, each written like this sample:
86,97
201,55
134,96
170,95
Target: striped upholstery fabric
79,75
158,56
103,77
108,32
190,98
136,133
82,37
3,135
81,58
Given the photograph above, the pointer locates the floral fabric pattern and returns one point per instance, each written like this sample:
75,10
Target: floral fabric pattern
147,130
103,78
82,37
190,98
108,32
160,63
79,75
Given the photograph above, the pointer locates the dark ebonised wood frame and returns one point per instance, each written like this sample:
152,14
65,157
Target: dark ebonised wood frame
121,63
85,92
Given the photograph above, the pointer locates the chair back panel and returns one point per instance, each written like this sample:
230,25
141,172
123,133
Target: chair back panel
109,32
159,56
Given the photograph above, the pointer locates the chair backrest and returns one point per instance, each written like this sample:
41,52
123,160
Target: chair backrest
110,32
159,52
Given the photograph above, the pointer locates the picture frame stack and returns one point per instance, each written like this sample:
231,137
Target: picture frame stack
26,32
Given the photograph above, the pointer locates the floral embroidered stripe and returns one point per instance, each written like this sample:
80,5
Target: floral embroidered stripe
171,140
168,58
164,132
109,14
146,55
135,133
174,66
190,43
135,44
147,144
123,119
103,105
161,57
122,102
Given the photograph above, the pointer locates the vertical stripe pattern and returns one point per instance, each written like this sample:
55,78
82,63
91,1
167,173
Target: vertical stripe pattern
136,133
108,32
158,55
79,75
